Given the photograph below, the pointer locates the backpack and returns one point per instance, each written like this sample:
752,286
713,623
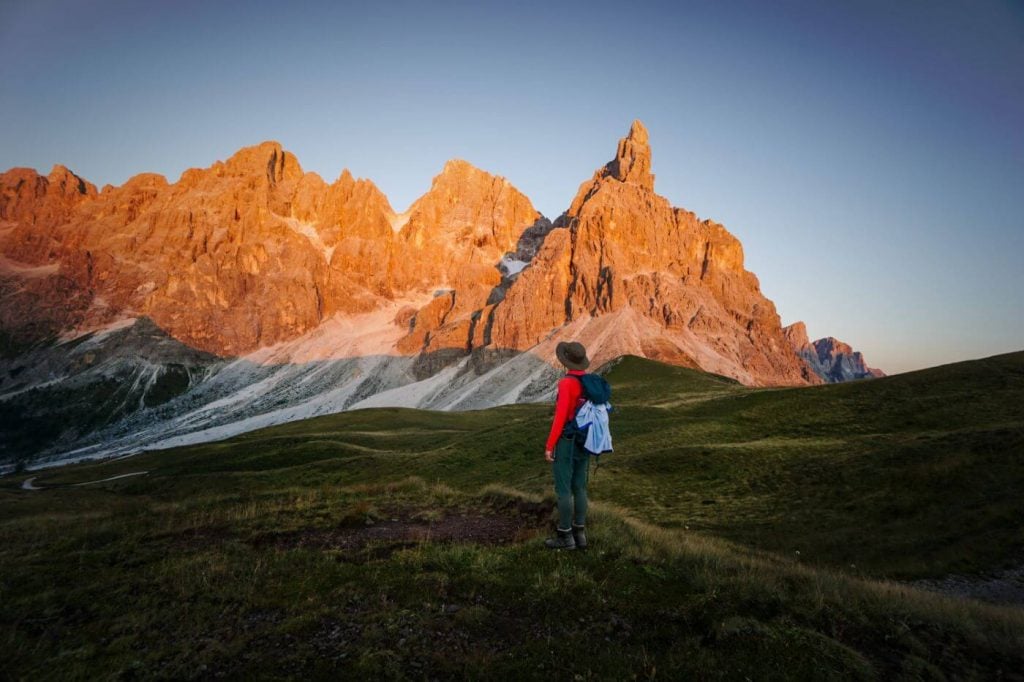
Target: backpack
596,391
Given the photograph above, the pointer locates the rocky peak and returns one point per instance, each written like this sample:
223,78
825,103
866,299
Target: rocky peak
796,334
467,203
64,181
830,347
34,199
457,166
20,190
348,186
828,357
267,158
671,286
143,181
455,237
458,173
632,162
629,171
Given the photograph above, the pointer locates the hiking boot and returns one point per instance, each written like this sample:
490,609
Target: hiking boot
580,536
563,540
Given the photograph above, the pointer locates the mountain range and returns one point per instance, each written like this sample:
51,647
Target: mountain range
251,293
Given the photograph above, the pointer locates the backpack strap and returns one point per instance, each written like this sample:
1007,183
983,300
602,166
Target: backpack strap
583,393
570,424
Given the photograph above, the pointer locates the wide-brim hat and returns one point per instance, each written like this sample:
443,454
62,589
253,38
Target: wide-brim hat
573,355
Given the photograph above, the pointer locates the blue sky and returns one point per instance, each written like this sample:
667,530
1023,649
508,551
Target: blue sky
869,155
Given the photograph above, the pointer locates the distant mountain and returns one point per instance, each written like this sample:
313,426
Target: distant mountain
829,358
272,295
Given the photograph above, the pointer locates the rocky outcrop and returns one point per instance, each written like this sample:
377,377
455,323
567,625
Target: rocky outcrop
632,162
623,246
249,252
452,241
796,336
839,362
38,300
829,358
40,202
218,260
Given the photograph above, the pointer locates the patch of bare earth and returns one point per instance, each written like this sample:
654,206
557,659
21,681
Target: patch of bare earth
407,529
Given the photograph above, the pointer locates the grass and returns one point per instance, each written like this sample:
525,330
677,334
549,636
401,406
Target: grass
694,569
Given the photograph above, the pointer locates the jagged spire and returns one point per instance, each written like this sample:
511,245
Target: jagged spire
632,162
631,165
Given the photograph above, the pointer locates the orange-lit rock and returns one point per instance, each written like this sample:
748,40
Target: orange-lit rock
623,246
253,251
453,238
248,252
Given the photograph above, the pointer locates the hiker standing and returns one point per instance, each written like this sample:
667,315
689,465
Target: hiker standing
569,460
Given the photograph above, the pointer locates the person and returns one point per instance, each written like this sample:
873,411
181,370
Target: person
568,460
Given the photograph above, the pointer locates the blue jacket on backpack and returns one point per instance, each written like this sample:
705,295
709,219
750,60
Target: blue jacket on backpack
590,425
594,418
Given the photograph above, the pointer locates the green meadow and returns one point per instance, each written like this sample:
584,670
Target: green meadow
735,533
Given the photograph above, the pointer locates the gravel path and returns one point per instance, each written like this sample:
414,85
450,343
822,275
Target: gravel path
1001,587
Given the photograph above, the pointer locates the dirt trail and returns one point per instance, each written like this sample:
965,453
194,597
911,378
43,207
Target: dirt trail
29,485
512,522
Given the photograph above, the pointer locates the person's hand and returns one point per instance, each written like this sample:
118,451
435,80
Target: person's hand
549,456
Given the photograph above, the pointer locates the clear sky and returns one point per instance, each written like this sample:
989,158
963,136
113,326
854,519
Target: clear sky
869,155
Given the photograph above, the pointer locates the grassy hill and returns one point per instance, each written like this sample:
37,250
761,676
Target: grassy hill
736,533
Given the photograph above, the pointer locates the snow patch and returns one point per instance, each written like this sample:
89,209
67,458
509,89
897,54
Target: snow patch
511,266
342,336
399,220
309,231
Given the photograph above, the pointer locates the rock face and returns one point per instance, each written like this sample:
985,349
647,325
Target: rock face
222,260
624,248
840,362
254,258
37,298
829,358
452,242
796,336
249,252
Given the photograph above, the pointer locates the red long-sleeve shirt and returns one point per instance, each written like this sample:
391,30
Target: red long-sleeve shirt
570,397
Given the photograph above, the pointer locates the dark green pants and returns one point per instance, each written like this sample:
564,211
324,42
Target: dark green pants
570,469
